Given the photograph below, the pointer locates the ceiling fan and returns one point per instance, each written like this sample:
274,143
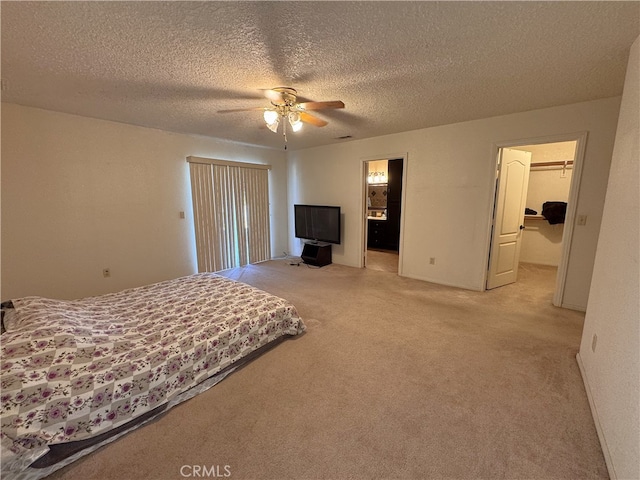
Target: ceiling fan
285,105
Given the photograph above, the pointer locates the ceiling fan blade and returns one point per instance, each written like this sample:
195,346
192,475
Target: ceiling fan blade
321,105
274,96
308,118
241,110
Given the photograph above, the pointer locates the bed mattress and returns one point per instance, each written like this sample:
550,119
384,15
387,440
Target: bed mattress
72,370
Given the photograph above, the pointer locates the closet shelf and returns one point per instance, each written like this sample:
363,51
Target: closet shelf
534,217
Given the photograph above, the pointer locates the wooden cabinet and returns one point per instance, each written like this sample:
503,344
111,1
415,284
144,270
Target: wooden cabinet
377,234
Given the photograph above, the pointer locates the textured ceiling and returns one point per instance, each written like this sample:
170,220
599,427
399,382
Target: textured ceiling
397,66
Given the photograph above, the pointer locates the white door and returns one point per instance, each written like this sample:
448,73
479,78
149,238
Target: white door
508,221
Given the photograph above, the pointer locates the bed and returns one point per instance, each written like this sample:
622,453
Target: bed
77,374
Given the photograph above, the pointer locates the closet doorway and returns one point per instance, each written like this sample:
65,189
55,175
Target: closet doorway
383,211
533,216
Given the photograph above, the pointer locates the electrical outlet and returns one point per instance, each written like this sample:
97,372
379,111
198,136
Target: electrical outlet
181,214
594,341
582,220
106,272
432,261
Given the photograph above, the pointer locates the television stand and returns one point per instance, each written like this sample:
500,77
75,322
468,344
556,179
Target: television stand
316,253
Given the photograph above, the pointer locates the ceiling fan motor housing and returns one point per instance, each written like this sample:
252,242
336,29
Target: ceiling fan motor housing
287,95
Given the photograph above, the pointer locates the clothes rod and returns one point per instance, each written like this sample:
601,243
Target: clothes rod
552,164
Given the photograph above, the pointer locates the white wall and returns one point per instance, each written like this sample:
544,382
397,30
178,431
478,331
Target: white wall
612,371
80,194
449,191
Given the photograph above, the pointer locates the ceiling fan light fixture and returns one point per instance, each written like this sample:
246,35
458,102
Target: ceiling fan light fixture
272,119
294,117
270,116
294,120
273,126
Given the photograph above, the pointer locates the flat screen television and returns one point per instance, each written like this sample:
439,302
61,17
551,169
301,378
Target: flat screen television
317,222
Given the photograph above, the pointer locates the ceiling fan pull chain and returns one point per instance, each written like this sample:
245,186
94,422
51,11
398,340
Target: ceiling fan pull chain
284,132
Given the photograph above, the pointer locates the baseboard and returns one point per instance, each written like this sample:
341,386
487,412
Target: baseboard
578,308
446,284
596,420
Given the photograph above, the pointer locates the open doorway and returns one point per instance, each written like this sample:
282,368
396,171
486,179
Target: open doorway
383,194
533,214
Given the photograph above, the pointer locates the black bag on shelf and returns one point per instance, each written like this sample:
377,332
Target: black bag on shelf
554,212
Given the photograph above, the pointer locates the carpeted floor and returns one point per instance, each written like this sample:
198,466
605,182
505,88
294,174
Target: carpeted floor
382,260
395,378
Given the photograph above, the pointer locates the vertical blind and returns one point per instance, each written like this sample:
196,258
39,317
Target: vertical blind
231,213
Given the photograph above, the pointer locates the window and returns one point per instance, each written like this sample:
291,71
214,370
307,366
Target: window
231,213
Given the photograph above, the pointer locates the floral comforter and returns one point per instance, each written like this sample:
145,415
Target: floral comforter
73,369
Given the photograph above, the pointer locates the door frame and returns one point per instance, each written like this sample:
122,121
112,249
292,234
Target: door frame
581,142
363,204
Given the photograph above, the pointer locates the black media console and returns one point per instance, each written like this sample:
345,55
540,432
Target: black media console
318,254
